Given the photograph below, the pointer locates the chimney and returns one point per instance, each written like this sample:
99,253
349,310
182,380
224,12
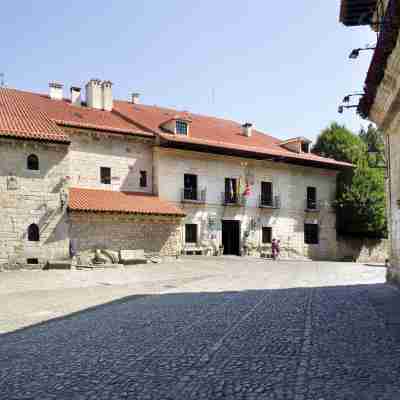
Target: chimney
106,87
56,90
135,98
75,95
94,94
247,128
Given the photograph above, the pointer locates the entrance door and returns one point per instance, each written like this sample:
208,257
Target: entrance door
231,237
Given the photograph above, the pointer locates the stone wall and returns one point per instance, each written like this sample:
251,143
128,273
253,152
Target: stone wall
116,232
29,196
125,155
363,250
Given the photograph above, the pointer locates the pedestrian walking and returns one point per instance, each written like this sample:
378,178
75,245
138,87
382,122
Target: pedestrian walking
274,248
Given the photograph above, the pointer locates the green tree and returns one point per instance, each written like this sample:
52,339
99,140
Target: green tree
337,142
360,200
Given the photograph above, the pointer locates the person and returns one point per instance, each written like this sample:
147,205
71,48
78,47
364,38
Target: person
274,247
278,248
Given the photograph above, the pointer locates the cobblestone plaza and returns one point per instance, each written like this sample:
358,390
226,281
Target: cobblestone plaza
230,329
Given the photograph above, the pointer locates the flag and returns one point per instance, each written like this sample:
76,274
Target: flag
247,191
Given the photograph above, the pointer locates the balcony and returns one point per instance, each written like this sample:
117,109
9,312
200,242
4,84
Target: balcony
315,206
235,200
191,195
269,202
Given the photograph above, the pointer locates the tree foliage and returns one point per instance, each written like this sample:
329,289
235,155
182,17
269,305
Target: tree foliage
360,200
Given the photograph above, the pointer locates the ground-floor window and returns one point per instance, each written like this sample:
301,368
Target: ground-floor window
191,233
266,234
311,233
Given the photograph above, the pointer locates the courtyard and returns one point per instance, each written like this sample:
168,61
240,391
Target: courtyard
201,328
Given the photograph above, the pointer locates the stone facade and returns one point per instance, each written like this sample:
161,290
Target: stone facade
363,250
289,184
385,112
32,197
125,155
116,232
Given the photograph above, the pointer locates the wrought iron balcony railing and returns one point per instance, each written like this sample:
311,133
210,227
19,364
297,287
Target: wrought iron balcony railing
194,195
233,199
269,202
317,205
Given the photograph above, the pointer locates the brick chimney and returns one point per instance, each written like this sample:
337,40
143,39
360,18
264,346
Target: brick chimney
94,94
76,95
56,90
106,87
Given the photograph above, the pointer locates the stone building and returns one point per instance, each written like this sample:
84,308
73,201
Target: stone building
380,102
104,173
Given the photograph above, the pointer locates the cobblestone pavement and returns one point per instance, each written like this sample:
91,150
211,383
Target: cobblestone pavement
253,330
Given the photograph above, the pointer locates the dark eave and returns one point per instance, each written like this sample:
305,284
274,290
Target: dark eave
386,43
357,12
202,148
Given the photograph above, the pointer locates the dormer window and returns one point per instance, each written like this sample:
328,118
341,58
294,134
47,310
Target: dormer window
297,145
305,147
181,128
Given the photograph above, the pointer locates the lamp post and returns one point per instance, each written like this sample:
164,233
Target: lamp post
356,52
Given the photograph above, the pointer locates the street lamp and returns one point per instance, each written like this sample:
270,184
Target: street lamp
356,52
342,107
346,99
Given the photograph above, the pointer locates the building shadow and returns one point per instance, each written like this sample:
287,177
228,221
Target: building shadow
339,342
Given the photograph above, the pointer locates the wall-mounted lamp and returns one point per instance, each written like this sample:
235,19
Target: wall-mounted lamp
356,52
342,107
346,99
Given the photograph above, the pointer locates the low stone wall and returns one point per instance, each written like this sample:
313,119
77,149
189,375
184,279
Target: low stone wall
362,250
115,232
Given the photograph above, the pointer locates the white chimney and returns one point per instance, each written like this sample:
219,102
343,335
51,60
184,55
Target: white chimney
56,90
247,128
75,95
107,95
94,94
135,98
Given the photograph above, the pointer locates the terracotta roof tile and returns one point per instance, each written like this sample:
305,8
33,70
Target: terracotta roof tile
21,117
215,132
123,202
37,112
31,115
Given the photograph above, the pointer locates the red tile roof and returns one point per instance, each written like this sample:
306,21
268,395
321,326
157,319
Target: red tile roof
215,132
32,115
37,116
97,200
20,117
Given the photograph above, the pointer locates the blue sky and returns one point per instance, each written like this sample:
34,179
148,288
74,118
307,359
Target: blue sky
282,65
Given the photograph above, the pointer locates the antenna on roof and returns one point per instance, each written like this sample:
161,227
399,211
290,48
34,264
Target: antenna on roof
1,79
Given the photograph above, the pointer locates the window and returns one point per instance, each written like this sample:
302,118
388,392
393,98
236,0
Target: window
311,198
305,147
181,128
231,195
266,194
105,175
32,162
32,261
311,234
33,233
190,187
191,233
143,179
266,234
